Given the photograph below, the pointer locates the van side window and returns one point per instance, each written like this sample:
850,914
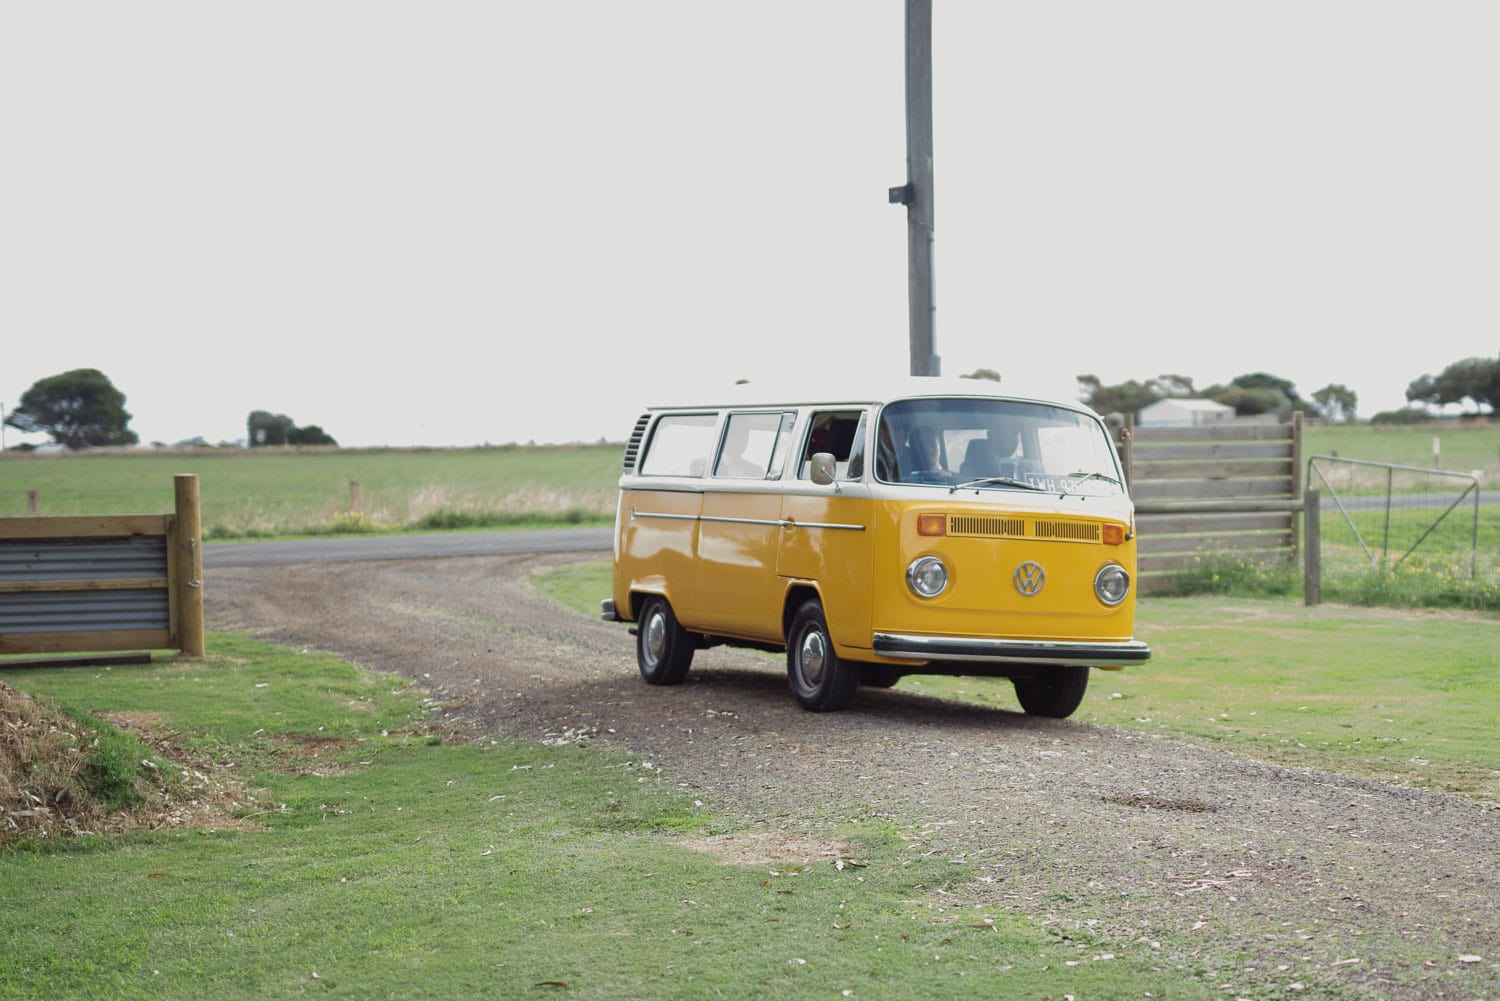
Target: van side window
837,432
679,445
749,444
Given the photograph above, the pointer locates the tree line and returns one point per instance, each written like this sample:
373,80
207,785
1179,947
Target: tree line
82,408
1471,382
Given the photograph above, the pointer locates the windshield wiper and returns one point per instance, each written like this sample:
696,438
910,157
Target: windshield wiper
1093,476
994,481
1083,477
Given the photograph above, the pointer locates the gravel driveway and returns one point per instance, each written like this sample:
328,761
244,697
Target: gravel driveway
1282,880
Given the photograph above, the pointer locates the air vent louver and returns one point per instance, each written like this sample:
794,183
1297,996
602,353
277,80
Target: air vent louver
633,447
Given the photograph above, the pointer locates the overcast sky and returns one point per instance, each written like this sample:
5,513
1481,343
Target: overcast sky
456,223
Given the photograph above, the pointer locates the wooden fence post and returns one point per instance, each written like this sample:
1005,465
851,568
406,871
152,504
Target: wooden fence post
189,564
32,507
356,497
1312,549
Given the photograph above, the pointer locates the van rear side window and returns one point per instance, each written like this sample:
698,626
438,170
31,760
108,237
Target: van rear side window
680,445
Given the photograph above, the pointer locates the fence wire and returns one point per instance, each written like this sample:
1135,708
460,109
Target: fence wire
1380,516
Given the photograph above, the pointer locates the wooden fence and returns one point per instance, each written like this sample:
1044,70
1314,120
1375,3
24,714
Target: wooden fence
132,582
1227,489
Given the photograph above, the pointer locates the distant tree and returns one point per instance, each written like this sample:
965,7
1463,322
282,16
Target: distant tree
1476,380
310,435
77,408
1177,387
987,374
1264,380
1335,402
267,428
1251,401
1130,397
1258,393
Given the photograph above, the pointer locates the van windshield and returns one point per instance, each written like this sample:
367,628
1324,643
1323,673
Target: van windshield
995,444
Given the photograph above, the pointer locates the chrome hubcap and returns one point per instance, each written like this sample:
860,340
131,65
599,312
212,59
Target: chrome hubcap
812,654
656,637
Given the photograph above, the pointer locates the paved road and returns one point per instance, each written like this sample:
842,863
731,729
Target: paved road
403,547
1366,502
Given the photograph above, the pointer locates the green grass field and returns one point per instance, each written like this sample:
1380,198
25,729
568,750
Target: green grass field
1461,447
262,493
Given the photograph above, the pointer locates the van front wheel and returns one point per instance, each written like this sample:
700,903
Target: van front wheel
1054,692
819,678
663,648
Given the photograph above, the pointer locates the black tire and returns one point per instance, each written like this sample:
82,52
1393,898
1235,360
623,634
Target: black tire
663,649
879,676
819,678
1054,692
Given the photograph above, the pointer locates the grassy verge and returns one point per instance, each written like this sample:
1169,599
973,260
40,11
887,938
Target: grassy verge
1406,561
1405,696
365,857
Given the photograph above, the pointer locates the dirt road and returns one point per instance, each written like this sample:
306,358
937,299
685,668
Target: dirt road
1284,880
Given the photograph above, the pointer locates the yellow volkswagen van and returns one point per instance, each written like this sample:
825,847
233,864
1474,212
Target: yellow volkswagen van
930,527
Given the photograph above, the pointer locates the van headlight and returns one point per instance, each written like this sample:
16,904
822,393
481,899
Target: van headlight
927,576
1112,584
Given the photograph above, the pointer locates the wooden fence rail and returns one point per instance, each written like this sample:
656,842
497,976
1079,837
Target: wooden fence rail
132,582
1230,488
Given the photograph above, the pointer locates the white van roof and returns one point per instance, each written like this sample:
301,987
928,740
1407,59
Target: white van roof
834,392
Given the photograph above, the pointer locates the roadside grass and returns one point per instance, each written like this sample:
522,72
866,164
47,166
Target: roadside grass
1408,696
384,861
274,493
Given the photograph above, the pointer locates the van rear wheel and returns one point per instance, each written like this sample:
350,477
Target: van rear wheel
663,648
1054,691
820,679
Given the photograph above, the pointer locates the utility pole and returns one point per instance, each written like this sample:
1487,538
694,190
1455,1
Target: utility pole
916,193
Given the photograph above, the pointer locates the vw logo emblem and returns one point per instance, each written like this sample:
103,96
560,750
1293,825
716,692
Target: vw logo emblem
1029,578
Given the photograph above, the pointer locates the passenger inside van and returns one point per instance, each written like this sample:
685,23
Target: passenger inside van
992,455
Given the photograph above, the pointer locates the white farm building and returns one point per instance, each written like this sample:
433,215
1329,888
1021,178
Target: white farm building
1173,412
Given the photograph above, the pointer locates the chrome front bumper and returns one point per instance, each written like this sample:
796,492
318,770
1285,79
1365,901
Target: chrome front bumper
909,647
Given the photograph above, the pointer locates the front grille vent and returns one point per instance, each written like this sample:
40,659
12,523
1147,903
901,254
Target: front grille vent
989,528
1067,531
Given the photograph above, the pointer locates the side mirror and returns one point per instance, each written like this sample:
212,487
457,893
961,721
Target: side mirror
822,472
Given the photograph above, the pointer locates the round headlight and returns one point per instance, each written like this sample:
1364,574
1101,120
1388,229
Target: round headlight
1112,584
927,576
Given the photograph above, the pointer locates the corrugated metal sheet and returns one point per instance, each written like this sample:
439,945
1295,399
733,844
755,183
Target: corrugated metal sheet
83,611
36,562
107,558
